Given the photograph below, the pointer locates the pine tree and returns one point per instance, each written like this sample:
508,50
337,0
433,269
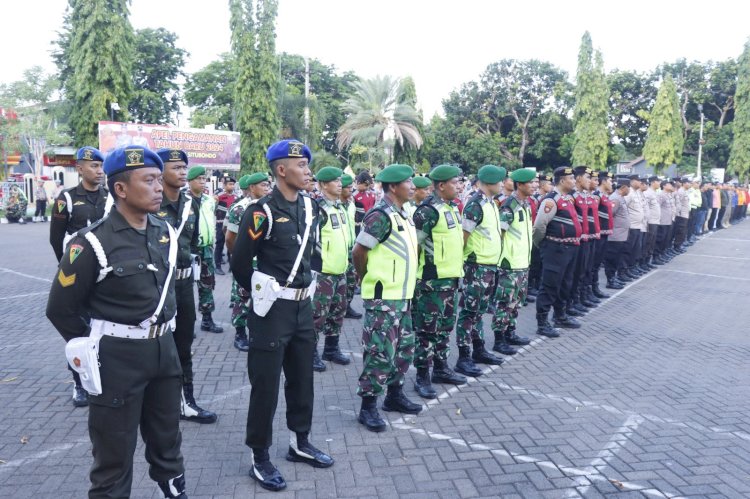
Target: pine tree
591,137
256,86
665,140
739,158
96,63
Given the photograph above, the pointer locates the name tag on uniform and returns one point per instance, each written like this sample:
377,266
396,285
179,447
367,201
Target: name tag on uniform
335,223
450,220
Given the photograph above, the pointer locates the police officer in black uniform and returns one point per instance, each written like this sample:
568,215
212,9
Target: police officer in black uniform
181,211
273,230
118,274
74,209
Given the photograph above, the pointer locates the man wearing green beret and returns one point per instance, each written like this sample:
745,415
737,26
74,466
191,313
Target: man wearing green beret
254,187
329,300
422,189
347,203
181,212
482,250
513,274
441,246
385,256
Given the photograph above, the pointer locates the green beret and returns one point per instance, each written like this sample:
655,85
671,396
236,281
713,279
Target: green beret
244,181
421,182
491,174
523,175
257,178
393,174
196,171
346,180
443,173
328,173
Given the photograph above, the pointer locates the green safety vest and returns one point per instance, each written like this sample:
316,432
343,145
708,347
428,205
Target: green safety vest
392,265
334,240
447,242
516,254
485,241
207,221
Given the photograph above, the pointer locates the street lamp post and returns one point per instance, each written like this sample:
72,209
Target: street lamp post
700,146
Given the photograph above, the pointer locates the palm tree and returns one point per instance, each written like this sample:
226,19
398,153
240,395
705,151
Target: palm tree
377,114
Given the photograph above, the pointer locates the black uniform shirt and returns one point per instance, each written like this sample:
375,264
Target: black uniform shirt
88,207
277,254
129,294
171,211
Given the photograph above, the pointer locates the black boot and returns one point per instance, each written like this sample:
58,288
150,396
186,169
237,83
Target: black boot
566,322
441,373
590,296
513,339
530,298
189,409
302,451
318,365
613,283
264,472
208,324
501,344
174,488
396,401
351,313
422,384
332,352
574,311
598,292
544,328
369,416
240,340
465,365
80,396
623,276
583,299
480,355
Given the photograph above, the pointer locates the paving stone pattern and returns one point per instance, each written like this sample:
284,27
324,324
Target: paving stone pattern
649,399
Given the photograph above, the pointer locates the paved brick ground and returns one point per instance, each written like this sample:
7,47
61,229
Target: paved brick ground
649,398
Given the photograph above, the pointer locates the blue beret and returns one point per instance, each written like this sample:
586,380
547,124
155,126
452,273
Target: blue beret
88,153
290,148
172,155
131,158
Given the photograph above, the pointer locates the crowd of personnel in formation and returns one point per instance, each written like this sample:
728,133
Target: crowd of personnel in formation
429,255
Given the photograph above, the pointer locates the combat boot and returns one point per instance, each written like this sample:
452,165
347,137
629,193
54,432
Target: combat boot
189,409
240,340
613,283
396,401
441,373
332,352
566,322
80,396
583,299
513,339
318,365
530,298
369,416
174,488
590,296
422,384
465,365
598,292
351,313
501,344
544,328
480,355
208,324
623,276
574,311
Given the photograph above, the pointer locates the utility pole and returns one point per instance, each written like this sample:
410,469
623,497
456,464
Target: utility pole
307,100
700,146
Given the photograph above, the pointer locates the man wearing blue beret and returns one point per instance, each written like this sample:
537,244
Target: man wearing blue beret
280,230
114,291
74,209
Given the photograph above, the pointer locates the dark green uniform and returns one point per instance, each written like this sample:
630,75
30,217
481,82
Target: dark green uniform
73,212
141,378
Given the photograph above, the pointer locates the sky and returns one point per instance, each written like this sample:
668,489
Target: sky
440,43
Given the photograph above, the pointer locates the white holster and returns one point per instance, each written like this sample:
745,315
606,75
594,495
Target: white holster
83,358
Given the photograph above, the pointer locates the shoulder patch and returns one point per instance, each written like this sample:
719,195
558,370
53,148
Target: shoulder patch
75,251
61,205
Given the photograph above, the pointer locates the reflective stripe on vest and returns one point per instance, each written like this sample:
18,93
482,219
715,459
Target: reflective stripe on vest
392,264
334,239
485,241
446,245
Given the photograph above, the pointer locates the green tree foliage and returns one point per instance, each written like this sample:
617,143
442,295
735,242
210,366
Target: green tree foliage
632,94
406,154
665,139
739,159
96,56
211,92
591,138
158,66
256,83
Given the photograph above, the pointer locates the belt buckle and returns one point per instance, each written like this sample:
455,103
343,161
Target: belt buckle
153,332
298,294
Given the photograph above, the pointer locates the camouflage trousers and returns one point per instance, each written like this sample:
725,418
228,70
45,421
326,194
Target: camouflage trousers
207,281
479,286
351,282
329,305
241,305
388,343
509,295
434,316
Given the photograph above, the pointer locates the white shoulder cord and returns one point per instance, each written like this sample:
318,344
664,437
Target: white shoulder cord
100,255
69,202
172,260
308,224
185,215
108,205
270,221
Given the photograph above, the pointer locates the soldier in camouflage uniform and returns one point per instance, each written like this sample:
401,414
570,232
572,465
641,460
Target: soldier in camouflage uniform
482,248
385,256
347,203
329,300
253,187
513,274
438,225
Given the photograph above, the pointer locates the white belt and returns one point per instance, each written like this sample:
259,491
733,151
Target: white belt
132,332
296,294
183,273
